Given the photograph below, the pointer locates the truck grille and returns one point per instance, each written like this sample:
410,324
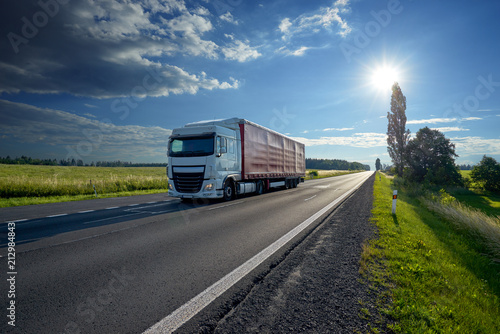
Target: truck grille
188,182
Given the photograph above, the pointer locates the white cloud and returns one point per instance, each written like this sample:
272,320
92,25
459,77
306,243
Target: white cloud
450,129
432,121
476,146
299,52
442,120
284,26
364,140
311,23
228,17
240,51
338,129
296,32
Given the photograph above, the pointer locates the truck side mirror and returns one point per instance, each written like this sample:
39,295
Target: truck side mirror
221,146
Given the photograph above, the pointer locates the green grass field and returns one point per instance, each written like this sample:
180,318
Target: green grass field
430,276
487,202
27,184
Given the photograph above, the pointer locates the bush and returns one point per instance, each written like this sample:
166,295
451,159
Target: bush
431,159
487,174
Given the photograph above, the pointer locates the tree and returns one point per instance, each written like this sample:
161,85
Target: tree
397,135
378,166
487,174
430,157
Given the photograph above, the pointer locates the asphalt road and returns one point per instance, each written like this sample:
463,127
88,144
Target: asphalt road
121,266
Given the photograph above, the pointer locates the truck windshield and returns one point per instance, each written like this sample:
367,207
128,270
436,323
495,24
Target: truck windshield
191,146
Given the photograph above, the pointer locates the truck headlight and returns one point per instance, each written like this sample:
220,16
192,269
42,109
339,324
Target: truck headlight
170,186
209,187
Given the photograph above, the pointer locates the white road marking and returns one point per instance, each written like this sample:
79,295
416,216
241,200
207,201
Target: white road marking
133,204
17,221
224,206
76,240
113,207
13,221
310,198
100,220
180,316
60,215
87,211
145,207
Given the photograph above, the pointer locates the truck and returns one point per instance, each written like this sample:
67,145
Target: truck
222,159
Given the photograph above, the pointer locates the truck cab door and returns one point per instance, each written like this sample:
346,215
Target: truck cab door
226,154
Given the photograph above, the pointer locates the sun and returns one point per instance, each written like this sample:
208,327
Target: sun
383,77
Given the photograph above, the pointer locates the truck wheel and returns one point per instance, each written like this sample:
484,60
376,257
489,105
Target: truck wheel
260,187
228,190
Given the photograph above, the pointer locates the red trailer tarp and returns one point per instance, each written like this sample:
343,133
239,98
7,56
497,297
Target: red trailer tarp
268,154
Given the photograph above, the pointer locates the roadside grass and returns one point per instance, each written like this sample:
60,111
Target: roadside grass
27,184
485,201
429,275
321,173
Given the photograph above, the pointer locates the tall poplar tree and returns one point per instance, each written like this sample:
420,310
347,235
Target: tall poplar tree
397,134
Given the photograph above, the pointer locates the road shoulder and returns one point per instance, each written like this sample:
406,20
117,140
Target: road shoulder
317,288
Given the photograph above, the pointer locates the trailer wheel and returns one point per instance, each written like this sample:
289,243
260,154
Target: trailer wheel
260,187
228,190
294,183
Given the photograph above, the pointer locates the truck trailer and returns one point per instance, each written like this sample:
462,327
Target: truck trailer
230,157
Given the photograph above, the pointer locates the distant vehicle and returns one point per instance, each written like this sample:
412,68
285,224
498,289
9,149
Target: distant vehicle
226,158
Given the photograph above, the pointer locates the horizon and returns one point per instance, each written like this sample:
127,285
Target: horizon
110,80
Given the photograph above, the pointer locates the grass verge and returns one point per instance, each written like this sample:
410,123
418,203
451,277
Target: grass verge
430,276
320,174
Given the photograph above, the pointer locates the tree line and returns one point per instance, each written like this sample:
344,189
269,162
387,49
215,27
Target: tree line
24,160
429,157
310,163
335,164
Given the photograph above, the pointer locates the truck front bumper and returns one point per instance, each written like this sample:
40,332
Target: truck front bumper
208,190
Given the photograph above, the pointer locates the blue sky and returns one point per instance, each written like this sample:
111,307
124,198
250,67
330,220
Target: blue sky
109,80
